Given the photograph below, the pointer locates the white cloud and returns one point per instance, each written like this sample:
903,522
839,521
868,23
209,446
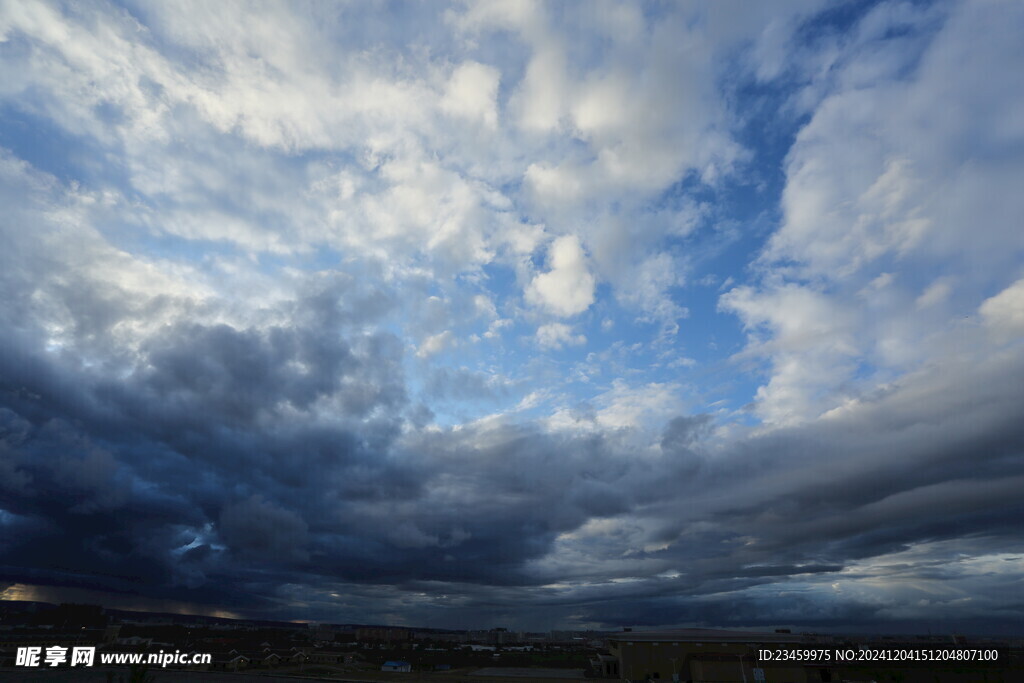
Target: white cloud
906,154
525,16
557,335
495,328
625,406
567,289
646,286
542,95
1004,312
83,287
435,344
895,165
936,293
809,340
484,306
423,151
422,208
471,93
836,233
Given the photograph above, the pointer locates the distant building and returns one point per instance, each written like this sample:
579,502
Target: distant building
293,656
383,634
331,657
396,666
229,662
263,658
321,632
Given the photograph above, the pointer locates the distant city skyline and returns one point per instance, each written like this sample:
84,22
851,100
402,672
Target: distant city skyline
544,315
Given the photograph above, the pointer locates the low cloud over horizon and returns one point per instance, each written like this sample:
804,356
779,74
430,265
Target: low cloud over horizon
510,313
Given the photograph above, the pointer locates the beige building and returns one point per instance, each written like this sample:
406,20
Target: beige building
705,655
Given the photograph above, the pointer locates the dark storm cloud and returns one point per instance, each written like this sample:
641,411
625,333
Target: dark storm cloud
907,461
263,530
300,503
683,432
206,474
757,528
141,482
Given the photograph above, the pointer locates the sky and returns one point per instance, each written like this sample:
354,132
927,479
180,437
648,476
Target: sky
507,313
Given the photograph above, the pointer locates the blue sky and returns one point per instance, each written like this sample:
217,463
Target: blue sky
538,314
